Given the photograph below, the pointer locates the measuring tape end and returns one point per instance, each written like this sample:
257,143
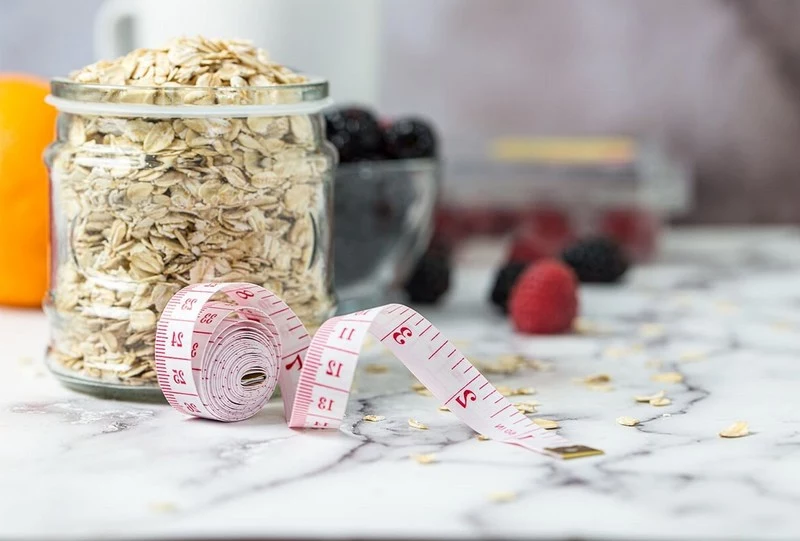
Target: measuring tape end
573,451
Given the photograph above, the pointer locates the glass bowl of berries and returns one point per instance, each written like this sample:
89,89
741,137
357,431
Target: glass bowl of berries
385,192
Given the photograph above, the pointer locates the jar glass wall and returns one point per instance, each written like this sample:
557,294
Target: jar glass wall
147,197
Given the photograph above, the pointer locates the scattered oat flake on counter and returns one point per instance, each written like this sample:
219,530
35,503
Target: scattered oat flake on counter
584,326
444,408
428,458
374,368
413,423
502,496
424,392
692,356
660,401
601,387
163,507
727,307
373,418
481,437
616,352
654,363
504,364
525,391
539,365
525,407
782,326
627,421
651,330
595,379
667,377
547,424
648,398
417,386
736,430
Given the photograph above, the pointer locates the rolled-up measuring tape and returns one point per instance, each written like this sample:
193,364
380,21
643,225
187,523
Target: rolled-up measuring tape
221,359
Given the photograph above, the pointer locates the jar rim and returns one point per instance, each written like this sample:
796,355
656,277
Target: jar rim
187,101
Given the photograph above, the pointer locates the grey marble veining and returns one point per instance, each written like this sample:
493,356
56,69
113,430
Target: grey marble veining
722,308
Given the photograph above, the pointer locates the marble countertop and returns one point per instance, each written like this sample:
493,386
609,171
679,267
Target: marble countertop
722,308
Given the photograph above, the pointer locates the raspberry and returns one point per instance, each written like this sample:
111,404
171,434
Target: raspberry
549,222
504,282
545,299
431,277
596,260
636,231
530,246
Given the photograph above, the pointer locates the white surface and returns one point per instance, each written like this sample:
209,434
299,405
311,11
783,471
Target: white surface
76,467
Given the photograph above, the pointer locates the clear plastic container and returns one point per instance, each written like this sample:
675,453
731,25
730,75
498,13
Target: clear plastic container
149,194
563,188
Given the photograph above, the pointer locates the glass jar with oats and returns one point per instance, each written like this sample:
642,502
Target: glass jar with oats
201,161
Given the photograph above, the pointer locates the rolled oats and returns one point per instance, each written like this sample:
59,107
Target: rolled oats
145,206
736,430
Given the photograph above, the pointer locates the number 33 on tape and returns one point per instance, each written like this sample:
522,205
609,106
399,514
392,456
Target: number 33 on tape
222,361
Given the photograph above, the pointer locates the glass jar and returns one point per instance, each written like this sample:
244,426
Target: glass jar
149,194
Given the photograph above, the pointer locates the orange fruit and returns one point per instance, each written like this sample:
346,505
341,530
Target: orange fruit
27,126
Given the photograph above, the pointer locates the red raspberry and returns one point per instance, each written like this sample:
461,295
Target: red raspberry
527,248
634,229
549,222
531,244
545,299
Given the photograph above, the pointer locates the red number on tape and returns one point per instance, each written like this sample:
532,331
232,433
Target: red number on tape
401,335
177,377
245,294
208,318
177,339
188,304
325,403
298,360
194,350
467,394
349,336
334,369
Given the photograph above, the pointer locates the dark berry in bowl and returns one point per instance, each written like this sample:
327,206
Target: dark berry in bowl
409,138
354,132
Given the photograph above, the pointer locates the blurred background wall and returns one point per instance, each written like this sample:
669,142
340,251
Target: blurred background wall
718,80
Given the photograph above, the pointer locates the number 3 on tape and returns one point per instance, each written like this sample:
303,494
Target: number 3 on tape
222,360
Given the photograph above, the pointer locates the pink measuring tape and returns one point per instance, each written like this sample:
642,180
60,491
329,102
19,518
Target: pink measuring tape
222,361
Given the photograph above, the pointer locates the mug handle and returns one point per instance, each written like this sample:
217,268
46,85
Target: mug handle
113,28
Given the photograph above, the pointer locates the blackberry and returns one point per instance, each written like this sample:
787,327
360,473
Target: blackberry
409,138
596,260
504,281
430,279
354,132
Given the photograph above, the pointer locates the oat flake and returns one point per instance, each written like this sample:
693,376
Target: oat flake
667,377
736,430
428,458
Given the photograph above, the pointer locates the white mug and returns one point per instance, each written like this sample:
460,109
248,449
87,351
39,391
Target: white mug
335,39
